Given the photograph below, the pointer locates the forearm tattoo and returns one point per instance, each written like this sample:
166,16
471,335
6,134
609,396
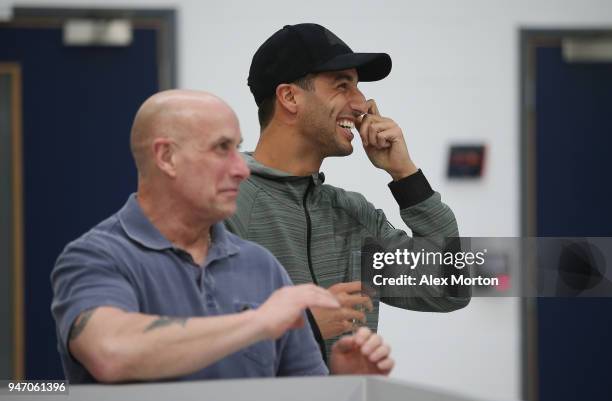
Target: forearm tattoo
80,323
165,321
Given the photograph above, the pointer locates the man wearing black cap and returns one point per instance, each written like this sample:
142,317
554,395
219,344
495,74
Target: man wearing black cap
304,80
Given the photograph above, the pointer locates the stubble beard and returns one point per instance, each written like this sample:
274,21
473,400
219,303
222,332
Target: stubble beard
321,129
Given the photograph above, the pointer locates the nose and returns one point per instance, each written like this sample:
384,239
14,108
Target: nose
239,169
357,102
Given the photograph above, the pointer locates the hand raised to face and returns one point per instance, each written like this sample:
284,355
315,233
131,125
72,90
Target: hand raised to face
383,141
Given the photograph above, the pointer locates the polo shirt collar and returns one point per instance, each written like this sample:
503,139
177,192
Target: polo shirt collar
140,229
222,244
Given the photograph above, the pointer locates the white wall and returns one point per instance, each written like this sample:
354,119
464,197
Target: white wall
455,78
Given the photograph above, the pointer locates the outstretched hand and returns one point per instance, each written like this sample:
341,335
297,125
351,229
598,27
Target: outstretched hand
284,309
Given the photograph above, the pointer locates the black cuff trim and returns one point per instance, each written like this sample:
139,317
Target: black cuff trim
411,190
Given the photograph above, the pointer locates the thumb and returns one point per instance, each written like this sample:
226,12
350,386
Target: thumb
358,121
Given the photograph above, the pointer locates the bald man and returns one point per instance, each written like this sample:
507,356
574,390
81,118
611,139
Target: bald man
160,290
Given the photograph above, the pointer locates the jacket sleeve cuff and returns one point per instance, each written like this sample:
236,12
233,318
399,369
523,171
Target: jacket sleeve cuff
411,190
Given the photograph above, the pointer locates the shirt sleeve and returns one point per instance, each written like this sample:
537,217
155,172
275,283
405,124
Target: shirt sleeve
424,213
85,277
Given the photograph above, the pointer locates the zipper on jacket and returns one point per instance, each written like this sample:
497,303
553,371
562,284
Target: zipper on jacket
313,323
309,233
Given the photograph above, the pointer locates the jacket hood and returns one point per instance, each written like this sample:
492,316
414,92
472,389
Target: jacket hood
259,169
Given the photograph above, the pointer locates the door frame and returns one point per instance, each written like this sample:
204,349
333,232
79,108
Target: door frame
529,39
15,271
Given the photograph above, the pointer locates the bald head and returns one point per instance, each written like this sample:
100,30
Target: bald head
173,114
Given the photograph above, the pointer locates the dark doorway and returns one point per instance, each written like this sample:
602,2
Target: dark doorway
566,140
77,103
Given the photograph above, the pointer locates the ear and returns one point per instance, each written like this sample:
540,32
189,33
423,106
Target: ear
164,154
286,96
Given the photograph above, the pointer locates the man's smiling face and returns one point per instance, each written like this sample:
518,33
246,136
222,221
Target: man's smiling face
330,110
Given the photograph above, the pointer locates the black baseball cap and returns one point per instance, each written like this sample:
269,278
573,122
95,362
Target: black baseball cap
298,50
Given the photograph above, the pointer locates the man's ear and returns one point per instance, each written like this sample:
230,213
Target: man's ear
164,152
286,97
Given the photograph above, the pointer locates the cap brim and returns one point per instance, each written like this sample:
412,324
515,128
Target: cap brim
370,66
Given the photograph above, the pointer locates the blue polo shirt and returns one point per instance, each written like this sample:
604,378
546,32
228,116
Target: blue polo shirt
127,263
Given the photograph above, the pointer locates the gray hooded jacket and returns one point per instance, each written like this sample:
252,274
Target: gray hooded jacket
314,229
